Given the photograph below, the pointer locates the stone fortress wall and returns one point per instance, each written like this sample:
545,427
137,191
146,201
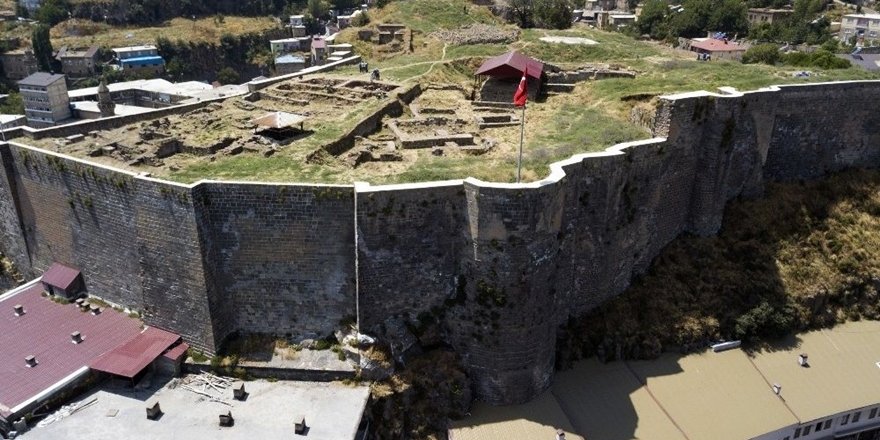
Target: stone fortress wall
501,266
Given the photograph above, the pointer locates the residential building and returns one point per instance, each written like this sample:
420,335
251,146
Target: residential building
297,26
78,62
289,64
606,5
139,59
284,46
865,27
319,51
718,49
767,15
18,64
45,99
613,20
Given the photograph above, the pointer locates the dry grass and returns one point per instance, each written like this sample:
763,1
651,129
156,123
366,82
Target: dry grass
807,255
79,32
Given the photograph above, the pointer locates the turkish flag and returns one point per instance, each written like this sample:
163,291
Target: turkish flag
519,99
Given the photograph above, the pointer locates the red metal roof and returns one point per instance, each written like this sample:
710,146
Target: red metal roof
511,65
60,276
44,332
133,356
174,353
713,45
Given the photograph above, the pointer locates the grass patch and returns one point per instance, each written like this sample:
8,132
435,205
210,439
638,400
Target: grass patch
574,128
427,16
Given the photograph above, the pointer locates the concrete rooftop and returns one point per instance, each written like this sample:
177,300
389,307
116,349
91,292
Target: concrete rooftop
678,397
332,411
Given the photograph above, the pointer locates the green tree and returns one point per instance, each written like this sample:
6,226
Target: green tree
553,14
42,46
692,21
729,16
522,12
341,5
652,20
762,53
21,11
175,69
13,104
52,12
318,8
227,75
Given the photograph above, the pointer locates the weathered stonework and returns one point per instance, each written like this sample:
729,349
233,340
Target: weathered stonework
502,266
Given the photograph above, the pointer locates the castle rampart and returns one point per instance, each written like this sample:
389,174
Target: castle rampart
500,266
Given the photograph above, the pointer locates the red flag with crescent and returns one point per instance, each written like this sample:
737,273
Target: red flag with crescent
519,99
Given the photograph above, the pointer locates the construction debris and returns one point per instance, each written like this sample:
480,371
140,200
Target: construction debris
65,411
208,385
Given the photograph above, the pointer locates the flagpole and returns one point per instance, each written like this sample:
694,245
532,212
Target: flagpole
522,130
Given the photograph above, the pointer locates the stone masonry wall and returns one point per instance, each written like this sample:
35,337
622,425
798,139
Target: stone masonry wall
280,256
499,266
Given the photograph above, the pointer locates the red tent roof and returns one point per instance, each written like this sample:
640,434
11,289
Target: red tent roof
132,357
511,65
60,276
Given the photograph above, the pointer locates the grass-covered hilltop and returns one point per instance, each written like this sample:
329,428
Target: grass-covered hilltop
449,42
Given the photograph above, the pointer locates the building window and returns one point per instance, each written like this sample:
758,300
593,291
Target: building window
807,430
827,423
857,416
873,413
818,426
797,433
844,420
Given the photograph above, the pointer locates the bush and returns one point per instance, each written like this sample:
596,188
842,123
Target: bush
762,53
227,75
821,58
361,20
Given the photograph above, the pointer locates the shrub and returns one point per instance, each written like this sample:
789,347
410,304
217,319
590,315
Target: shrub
821,58
762,53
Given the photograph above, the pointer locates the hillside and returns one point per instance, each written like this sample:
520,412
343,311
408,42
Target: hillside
80,33
807,255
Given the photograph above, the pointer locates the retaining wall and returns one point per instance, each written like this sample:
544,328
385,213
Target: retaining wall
501,266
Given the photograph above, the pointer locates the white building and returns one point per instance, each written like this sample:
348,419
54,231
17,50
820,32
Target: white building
45,99
865,27
284,46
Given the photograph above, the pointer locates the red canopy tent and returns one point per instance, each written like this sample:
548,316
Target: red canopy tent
511,65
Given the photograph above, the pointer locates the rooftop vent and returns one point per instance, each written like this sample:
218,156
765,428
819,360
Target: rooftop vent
76,337
30,361
802,360
777,388
19,309
96,310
